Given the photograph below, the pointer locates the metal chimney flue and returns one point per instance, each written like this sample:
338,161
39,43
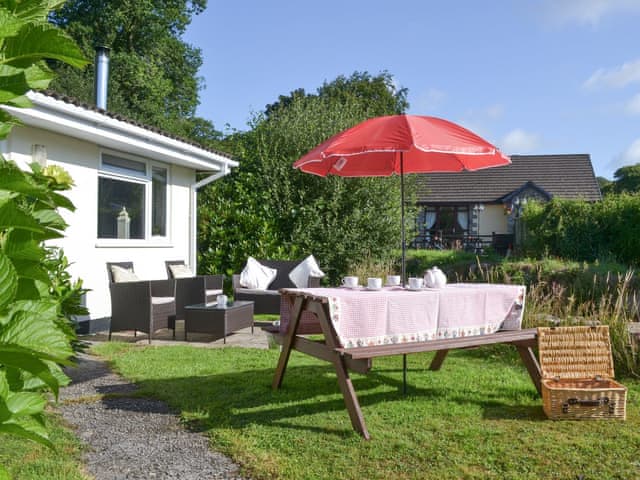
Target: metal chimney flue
101,76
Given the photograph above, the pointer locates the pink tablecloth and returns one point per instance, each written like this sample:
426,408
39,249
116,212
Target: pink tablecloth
396,315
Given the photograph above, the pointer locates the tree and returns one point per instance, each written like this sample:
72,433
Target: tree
34,334
377,95
153,73
266,208
606,185
627,179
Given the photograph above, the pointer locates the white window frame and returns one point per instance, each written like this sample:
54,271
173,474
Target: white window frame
149,240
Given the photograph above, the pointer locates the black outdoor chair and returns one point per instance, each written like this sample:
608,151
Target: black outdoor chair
207,293
144,305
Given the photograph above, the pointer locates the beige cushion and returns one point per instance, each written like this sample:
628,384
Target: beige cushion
180,271
123,274
305,269
162,300
257,276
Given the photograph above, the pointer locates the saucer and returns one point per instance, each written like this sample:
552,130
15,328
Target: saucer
391,285
414,289
373,289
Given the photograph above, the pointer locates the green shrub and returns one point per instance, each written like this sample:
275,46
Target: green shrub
267,209
34,333
34,338
584,231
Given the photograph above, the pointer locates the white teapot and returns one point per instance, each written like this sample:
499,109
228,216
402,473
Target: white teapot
435,278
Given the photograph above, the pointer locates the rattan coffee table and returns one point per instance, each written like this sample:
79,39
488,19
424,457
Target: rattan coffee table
218,321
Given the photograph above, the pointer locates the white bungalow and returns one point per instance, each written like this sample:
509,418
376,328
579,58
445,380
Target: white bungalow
135,190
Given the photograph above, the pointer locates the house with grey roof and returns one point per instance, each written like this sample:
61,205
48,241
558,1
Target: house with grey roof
135,189
466,209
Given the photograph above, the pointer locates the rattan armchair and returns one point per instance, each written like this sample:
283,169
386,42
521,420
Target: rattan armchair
144,305
212,285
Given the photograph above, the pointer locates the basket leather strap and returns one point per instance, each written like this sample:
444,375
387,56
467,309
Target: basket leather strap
600,402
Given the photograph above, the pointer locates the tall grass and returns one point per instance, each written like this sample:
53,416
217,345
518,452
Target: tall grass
607,299
371,267
558,292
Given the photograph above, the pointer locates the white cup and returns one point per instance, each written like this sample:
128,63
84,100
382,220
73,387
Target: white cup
393,280
374,282
415,283
221,300
350,282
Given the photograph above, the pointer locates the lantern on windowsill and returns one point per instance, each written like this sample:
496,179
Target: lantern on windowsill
124,224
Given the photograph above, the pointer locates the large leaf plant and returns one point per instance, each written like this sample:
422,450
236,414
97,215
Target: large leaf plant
34,340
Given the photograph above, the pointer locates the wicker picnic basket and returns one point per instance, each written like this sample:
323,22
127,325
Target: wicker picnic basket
577,374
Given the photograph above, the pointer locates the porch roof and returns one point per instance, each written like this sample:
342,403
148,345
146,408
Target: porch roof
562,176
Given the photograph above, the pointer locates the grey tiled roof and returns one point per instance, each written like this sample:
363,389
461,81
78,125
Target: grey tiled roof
122,118
562,176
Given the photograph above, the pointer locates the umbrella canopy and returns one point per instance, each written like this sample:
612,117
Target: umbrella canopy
427,144
401,144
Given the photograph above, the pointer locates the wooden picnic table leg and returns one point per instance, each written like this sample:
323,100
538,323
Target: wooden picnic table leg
531,363
287,346
344,381
437,361
350,397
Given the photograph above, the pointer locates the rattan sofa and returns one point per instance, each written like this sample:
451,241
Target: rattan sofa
268,301
144,305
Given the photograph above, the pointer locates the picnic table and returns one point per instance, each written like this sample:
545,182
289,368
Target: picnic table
358,325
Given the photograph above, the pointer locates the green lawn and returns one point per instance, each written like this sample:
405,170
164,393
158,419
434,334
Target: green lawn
27,460
477,418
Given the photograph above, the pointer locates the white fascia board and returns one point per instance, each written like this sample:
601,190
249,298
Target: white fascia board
72,120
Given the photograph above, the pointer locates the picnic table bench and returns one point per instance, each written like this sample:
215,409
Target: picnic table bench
359,358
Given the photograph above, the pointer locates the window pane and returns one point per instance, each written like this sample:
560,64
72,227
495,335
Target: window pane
113,197
159,202
118,164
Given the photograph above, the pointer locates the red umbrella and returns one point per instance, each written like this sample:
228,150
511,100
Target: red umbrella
401,144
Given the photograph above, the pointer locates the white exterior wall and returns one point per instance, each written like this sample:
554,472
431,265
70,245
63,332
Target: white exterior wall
81,245
492,220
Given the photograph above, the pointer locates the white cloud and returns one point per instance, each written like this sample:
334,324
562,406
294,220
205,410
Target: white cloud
429,101
631,156
633,106
519,141
617,77
479,120
587,12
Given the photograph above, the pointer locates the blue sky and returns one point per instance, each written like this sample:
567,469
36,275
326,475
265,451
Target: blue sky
531,76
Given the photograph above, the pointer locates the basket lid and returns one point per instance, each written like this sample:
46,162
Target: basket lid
575,352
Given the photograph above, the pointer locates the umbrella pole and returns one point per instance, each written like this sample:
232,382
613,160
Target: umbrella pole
402,216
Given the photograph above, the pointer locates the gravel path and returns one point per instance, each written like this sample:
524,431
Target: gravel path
133,438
